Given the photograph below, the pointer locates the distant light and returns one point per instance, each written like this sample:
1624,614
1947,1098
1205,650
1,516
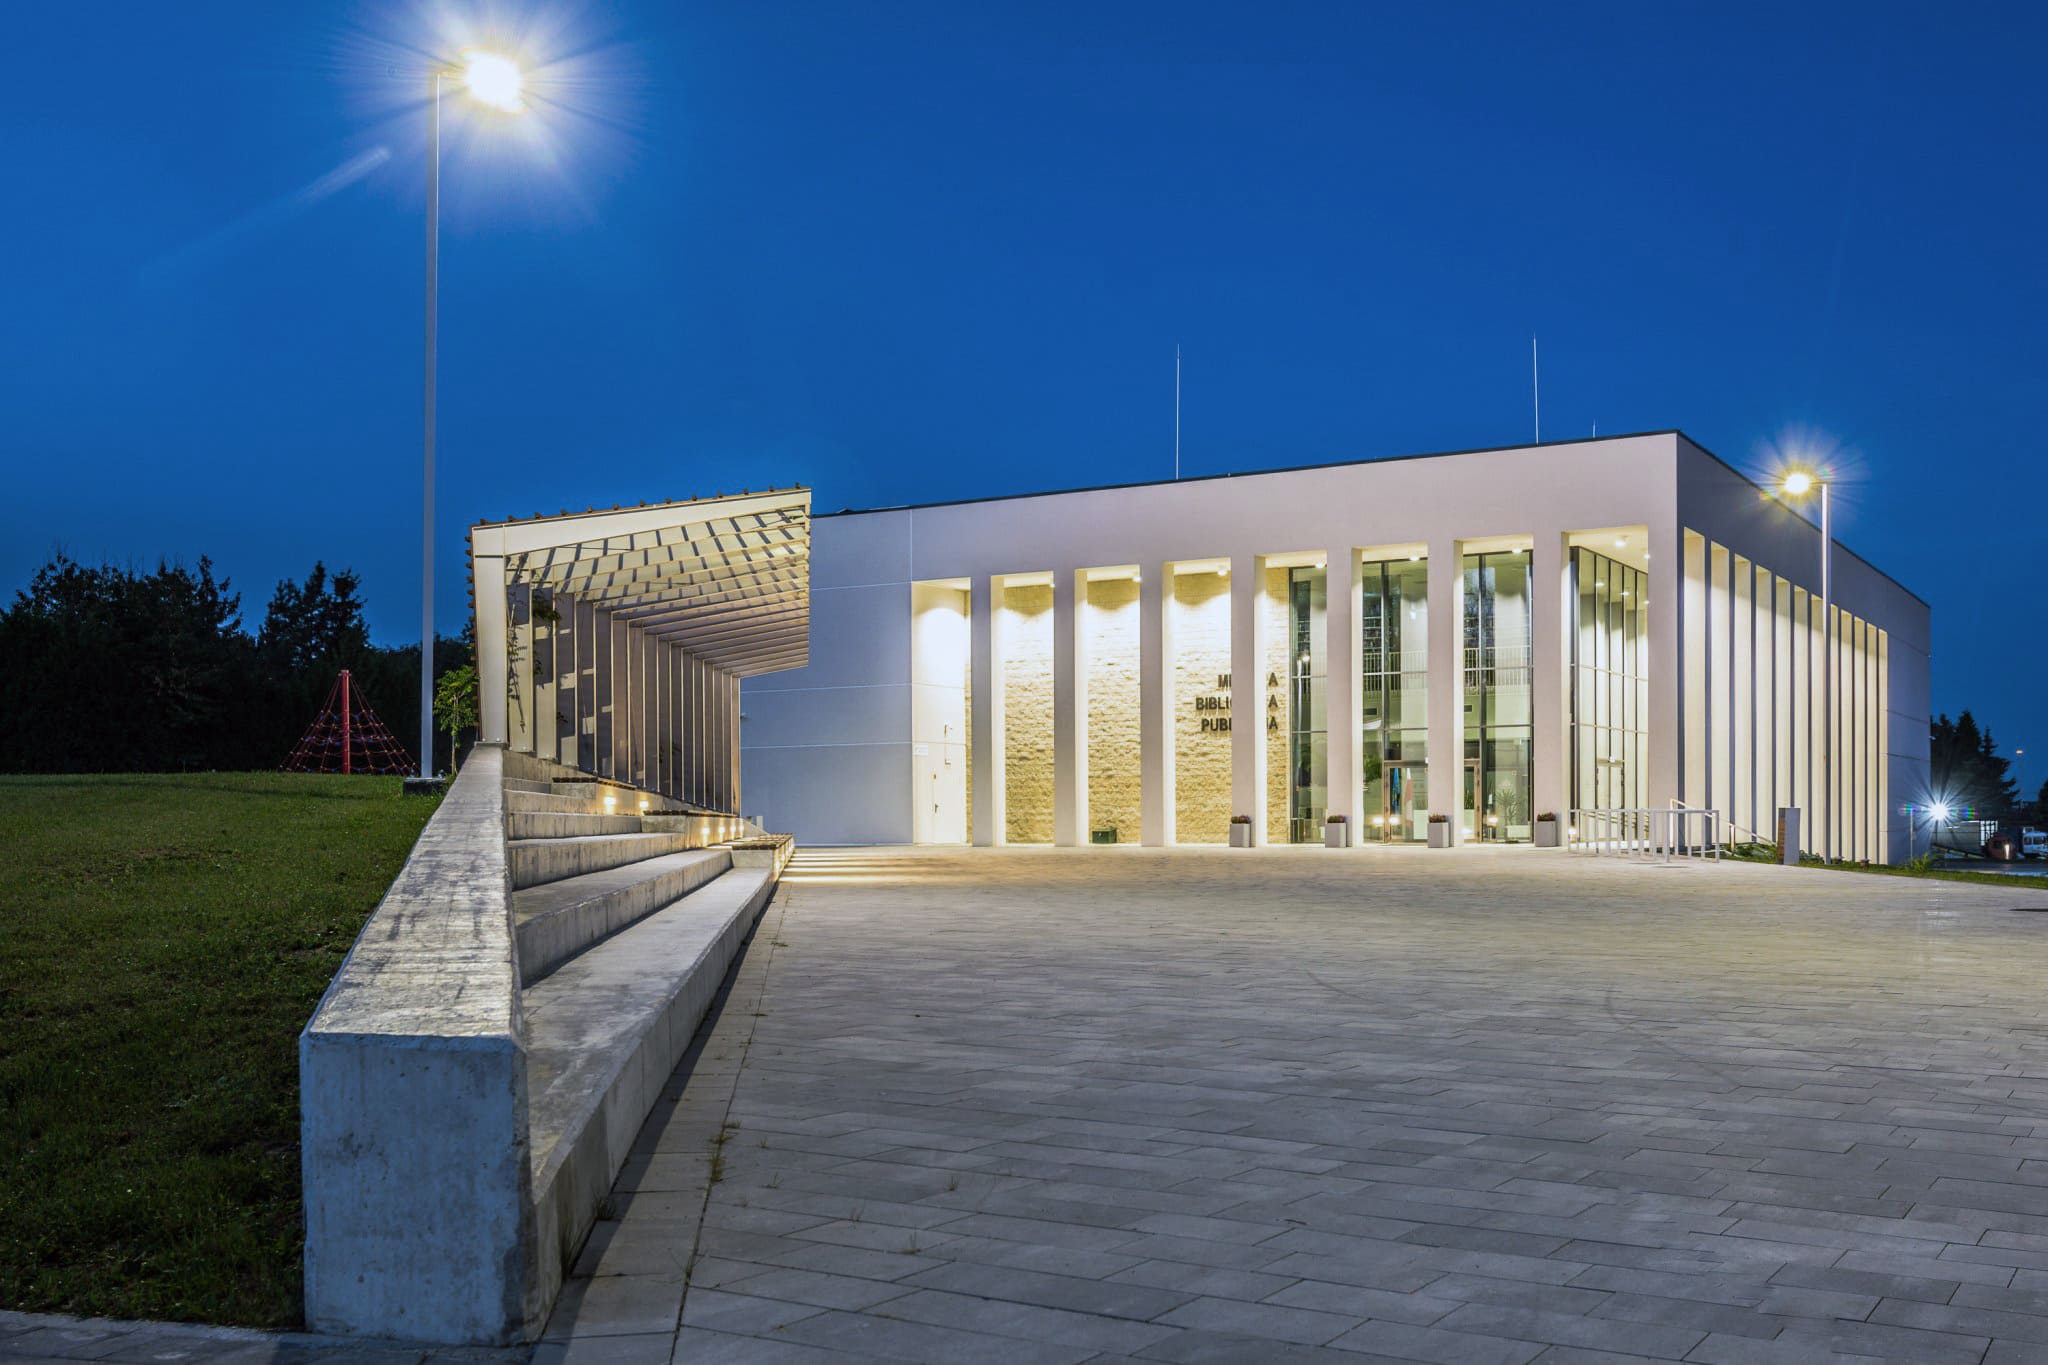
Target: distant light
1798,483
1620,541
1939,810
1414,559
494,80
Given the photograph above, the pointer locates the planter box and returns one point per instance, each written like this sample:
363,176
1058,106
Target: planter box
1337,835
1102,836
1548,834
1440,835
1240,836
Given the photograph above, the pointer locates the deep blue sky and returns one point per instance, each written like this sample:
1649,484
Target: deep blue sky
922,250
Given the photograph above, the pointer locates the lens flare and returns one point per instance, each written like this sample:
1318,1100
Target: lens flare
494,80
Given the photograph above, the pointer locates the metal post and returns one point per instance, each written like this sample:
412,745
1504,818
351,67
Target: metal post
1827,686
344,721
427,479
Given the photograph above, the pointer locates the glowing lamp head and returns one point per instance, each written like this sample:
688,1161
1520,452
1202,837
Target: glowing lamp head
1798,483
1939,810
494,80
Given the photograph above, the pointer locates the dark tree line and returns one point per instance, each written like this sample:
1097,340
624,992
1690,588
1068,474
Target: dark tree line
115,670
1966,770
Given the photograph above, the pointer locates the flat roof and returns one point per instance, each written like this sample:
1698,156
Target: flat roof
1346,464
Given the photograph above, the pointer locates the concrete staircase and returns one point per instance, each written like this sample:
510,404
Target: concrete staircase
625,920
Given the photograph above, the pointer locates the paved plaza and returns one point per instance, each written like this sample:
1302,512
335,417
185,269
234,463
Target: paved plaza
1496,1106
1287,1105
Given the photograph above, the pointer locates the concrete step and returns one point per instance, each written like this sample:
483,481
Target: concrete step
626,798
549,801
538,861
526,784
566,825
605,1032
556,921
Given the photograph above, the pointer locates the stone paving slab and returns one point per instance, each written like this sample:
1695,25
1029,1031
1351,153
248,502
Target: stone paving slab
1278,1105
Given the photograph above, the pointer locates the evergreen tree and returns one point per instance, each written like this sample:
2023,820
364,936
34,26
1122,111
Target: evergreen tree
1967,770
317,622
120,671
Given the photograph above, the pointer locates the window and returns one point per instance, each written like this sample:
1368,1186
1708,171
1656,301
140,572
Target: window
1498,630
1610,683
1308,754
1394,700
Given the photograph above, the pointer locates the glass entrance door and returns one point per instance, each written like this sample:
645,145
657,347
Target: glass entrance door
1404,804
1469,807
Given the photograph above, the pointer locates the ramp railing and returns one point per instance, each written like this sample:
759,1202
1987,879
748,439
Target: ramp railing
1660,833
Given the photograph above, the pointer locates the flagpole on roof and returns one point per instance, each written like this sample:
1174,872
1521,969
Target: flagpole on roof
1176,411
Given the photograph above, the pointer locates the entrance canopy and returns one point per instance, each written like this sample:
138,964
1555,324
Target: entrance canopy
615,641
726,579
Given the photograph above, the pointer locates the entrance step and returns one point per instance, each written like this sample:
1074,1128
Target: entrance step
566,825
625,797
535,862
527,784
606,1031
554,922
552,801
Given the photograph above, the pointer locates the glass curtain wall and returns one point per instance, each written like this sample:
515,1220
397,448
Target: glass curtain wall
1498,630
1610,682
1308,753
1394,700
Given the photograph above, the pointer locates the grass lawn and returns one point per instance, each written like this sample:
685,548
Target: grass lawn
2017,882
163,939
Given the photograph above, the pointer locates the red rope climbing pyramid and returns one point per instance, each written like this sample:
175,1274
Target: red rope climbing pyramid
347,737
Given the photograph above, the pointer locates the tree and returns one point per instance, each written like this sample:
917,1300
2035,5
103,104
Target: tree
318,622
115,669
1967,770
455,706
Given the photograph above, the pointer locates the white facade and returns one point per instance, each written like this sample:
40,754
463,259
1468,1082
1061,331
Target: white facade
966,658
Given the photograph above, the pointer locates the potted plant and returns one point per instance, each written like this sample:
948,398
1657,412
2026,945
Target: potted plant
1548,830
1439,831
1336,832
1240,831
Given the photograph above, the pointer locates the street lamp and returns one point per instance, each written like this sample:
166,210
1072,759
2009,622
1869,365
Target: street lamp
496,82
1798,484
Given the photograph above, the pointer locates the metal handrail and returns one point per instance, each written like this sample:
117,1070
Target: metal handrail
1663,833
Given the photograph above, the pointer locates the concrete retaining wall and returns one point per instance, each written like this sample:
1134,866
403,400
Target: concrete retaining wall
413,1112
433,1213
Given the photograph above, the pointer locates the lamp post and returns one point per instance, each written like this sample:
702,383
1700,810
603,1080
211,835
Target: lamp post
1797,484
494,81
